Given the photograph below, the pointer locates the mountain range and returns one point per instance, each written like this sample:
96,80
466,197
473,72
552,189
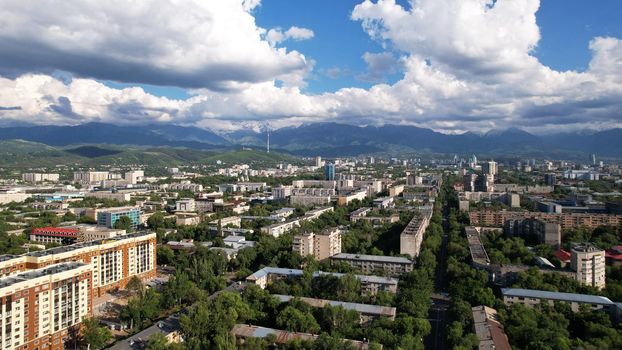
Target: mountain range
331,139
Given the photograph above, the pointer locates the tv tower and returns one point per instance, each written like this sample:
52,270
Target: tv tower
267,126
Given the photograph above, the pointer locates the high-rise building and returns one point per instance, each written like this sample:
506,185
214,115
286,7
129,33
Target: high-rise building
88,177
114,260
321,245
588,262
329,171
40,177
318,161
134,176
550,179
484,183
468,181
38,307
490,168
185,204
412,180
593,159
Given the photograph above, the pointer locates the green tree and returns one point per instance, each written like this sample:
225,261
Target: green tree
123,223
94,334
295,320
157,341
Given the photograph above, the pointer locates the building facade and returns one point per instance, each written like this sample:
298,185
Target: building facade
40,177
88,177
108,217
329,172
38,307
114,261
589,264
412,236
58,235
374,264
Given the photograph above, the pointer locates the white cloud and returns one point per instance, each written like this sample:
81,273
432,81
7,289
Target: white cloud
379,65
467,65
276,35
186,43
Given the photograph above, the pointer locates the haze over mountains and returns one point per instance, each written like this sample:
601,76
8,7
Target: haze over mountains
329,139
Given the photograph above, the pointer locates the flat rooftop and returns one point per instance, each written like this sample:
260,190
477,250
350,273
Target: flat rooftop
568,297
281,336
51,270
367,309
295,272
374,258
69,248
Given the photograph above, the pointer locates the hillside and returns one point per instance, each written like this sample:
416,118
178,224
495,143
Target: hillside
324,139
251,157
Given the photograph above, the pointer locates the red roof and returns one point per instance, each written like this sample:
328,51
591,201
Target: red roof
562,255
55,231
613,254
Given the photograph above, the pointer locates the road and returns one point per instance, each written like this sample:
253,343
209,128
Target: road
437,339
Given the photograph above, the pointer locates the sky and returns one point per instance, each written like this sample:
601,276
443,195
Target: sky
448,65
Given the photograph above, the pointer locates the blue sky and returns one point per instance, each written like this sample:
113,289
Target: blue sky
566,27
451,65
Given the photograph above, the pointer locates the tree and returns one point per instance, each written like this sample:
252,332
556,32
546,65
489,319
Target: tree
156,221
294,320
123,223
166,255
95,335
135,286
157,341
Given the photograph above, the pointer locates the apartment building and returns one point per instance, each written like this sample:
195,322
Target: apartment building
370,285
349,196
281,192
134,176
412,236
58,235
278,336
109,216
185,204
321,245
589,264
531,298
185,185
314,183
38,307
119,196
280,228
72,234
311,196
489,330
40,177
546,232
88,177
114,261
396,190
367,312
565,220
372,216
374,264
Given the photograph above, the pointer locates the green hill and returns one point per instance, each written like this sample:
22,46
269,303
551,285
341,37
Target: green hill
21,154
251,157
25,153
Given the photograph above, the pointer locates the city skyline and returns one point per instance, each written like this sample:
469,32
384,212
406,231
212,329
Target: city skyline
451,66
